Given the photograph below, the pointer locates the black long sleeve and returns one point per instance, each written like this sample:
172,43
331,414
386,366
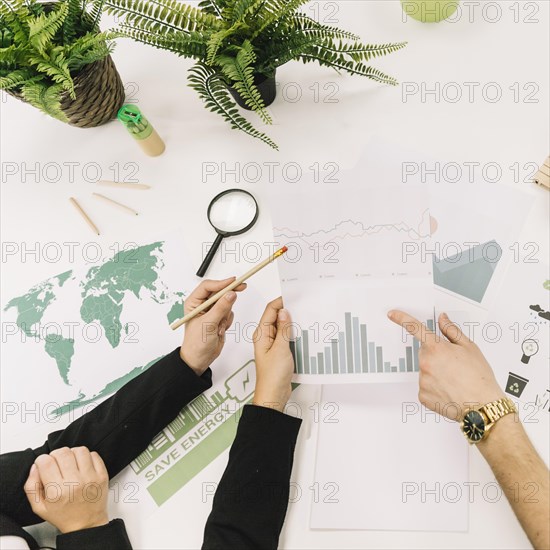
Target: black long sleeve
119,429
251,500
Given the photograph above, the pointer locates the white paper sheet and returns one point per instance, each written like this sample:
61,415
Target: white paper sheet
355,251
386,463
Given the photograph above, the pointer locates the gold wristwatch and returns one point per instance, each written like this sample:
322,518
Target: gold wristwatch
476,423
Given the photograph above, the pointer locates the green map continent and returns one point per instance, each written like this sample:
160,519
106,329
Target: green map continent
105,286
62,350
102,292
105,310
176,311
109,389
32,305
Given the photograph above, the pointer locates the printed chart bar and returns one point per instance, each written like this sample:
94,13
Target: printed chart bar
356,345
341,343
349,342
350,352
364,358
379,359
372,360
409,355
334,348
328,361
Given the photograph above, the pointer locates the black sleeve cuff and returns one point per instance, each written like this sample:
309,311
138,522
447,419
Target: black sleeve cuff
112,536
269,423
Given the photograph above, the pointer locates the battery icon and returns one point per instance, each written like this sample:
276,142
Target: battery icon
240,385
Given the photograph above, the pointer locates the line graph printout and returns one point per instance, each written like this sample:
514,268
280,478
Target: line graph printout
358,233
356,249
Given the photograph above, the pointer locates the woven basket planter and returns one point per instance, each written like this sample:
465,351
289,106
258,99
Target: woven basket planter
99,95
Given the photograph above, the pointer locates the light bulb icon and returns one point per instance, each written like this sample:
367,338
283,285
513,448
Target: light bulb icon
529,348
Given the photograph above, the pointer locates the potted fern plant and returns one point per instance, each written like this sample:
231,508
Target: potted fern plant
53,56
238,45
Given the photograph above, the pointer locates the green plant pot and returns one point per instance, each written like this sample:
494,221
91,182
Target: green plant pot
429,11
267,86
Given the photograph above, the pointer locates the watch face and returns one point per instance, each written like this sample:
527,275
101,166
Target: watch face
473,426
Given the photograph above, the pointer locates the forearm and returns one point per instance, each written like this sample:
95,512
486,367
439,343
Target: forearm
252,497
122,427
523,476
118,429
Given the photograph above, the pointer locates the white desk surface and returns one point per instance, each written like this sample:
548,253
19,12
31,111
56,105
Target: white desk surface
498,44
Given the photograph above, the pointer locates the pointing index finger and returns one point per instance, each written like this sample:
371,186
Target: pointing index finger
413,326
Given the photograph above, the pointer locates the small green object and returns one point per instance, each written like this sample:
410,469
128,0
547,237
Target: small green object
546,285
429,11
135,122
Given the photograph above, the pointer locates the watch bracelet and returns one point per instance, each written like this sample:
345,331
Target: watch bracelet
499,408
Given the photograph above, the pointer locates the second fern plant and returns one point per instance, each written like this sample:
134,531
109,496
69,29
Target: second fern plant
239,43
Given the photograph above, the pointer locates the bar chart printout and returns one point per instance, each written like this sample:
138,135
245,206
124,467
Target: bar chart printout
351,352
355,252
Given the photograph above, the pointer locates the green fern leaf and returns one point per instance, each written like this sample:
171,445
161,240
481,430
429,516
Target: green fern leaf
8,56
274,12
46,98
278,52
69,27
338,62
361,52
16,79
14,17
238,10
190,45
210,87
43,28
213,7
302,23
240,71
56,67
163,15
217,40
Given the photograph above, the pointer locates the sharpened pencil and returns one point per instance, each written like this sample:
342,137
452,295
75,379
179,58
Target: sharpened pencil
213,299
115,203
124,185
85,216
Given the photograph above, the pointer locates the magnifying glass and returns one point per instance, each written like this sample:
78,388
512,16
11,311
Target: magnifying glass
230,213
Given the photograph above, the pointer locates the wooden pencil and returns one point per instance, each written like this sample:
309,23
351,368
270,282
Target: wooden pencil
115,203
124,184
87,218
213,299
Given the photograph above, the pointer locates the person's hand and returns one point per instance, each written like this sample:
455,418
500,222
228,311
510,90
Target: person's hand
69,488
274,361
454,374
205,334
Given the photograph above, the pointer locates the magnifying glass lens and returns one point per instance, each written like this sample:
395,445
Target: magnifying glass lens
232,212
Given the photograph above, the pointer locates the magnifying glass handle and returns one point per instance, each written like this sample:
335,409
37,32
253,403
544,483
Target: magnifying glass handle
210,256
